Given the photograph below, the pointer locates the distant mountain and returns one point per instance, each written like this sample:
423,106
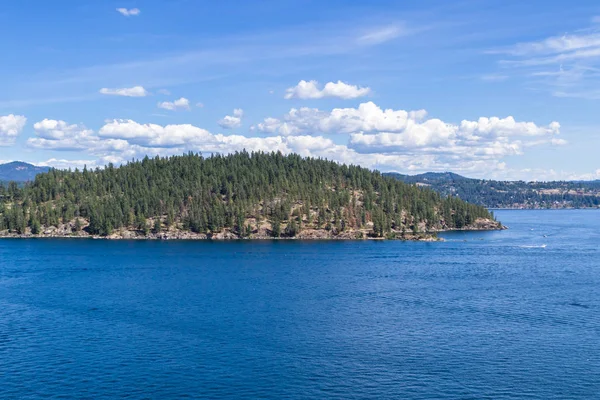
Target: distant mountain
20,171
509,194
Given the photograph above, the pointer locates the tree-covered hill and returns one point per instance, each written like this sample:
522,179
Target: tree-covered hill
239,195
510,194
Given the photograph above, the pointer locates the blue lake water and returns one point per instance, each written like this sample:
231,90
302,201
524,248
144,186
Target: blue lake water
483,315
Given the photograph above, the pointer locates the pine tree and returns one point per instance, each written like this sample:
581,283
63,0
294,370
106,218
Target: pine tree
157,226
35,226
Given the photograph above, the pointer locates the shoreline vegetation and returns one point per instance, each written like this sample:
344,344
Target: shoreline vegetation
255,196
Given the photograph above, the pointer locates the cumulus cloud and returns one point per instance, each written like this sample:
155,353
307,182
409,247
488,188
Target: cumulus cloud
152,135
367,117
136,91
179,104
232,121
10,127
373,130
498,127
310,90
131,12
59,135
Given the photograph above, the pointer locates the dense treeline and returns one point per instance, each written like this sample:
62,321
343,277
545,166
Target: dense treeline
237,192
511,194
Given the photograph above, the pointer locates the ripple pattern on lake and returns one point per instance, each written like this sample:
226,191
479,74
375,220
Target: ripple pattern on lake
484,315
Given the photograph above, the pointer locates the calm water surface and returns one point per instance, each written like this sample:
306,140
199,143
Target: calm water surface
483,315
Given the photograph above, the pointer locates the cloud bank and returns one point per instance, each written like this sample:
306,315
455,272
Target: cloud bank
367,135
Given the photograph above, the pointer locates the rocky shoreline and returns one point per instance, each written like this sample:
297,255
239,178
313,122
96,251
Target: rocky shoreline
66,231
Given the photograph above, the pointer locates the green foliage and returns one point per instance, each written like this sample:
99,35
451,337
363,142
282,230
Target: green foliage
510,194
209,195
275,227
35,226
292,229
157,226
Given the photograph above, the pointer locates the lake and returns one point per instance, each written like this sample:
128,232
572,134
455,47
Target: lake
501,315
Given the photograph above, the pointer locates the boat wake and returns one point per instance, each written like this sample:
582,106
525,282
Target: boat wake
541,246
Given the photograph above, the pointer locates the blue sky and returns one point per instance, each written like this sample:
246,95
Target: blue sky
494,89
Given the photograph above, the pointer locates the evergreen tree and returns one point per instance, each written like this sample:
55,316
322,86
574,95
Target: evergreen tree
35,226
157,226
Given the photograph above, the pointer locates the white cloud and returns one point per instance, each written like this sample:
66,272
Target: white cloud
554,45
136,91
200,105
10,127
179,104
310,90
381,35
152,135
367,117
66,164
504,127
59,135
129,12
388,133
164,91
566,65
232,121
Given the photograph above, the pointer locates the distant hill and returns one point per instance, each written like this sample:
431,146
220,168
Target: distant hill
20,171
509,194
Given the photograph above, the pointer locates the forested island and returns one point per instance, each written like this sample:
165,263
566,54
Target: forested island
510,194
244,195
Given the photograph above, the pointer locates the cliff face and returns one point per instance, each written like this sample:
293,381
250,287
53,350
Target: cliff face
263,231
